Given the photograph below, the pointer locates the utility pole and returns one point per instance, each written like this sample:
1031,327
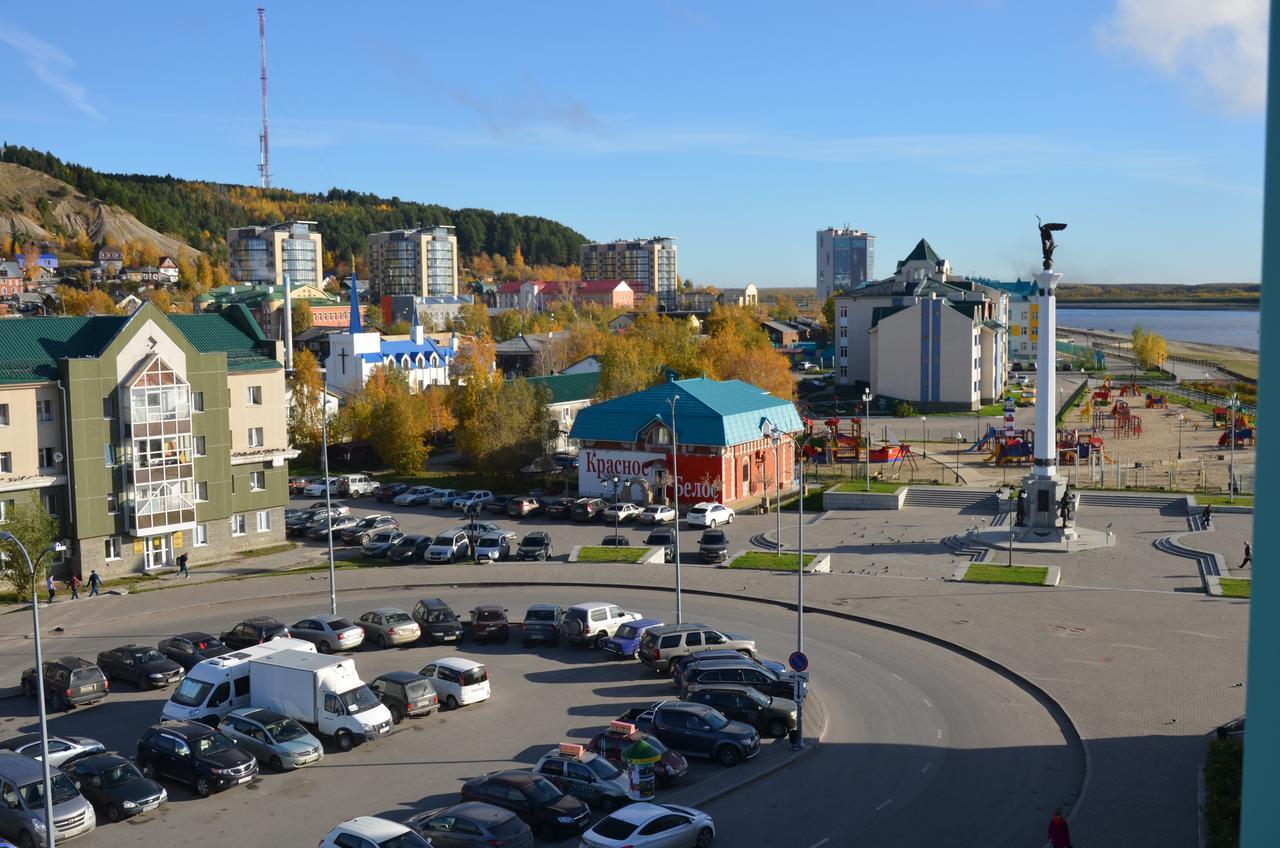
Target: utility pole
264,166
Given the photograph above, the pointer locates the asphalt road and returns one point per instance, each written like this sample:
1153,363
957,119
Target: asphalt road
923,747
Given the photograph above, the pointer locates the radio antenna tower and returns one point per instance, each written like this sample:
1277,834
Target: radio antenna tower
264,169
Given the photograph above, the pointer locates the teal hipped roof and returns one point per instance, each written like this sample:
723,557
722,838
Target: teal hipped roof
708,412
566,388
923,252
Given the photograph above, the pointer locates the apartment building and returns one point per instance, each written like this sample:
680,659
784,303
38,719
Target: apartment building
265,255
1023,321
648,265
147,436
422,262
845,258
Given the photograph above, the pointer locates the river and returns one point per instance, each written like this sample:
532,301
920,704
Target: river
1233,327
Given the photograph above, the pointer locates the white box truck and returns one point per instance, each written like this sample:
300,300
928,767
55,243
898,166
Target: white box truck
216,686
321,691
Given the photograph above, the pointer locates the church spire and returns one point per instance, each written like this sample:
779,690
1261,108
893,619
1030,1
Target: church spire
354,326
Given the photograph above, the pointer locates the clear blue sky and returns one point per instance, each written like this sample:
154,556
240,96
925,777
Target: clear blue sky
741,128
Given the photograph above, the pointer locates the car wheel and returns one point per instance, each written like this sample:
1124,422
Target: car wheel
25,840
731,518
113,813
451,703
397,715
324,648
344,740
276,764
728,755
599,641
542,556
704,837
28,689
778,728
380,640
203,787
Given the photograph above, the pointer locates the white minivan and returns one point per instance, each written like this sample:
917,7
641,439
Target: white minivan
216,686
458,681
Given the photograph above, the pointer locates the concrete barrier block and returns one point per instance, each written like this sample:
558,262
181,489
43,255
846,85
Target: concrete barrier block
832,499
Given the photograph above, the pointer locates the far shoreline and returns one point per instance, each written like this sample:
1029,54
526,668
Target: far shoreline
1214,307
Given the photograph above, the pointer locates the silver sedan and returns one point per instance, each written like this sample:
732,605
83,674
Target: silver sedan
388,626
62,749
275,739
328,633
644,825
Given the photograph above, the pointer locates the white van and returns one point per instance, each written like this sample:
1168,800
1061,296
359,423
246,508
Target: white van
343,485
458,681
216,686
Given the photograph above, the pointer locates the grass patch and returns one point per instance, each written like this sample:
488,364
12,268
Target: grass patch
1021,575
1223,778
274,549
1221,500
1233,587
877,486
786,561
606,553
812,503
989,411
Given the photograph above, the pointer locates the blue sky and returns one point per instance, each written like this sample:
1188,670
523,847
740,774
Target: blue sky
741,128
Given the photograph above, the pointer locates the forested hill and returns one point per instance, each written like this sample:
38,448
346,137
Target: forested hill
199,213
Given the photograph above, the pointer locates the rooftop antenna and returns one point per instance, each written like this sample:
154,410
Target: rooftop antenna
264,170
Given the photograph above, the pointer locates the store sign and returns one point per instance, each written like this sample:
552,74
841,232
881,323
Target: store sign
597,467
701,478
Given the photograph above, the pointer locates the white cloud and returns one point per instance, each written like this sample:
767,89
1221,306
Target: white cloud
51,65
1220,44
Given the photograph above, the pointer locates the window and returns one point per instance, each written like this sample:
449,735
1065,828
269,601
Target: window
197,401
844,312
109,455
6,462
6,510
257,481
202,491
4,415
46,458
44,410
844,371
255,437
253,395
844,332
109,407
202,535
237,525
51,504
264,520
199,446
844,352
112,546
113,503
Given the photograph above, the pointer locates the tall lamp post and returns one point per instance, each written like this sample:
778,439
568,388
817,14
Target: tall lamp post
775,435
959,439
328,483
1181,420
675,499
5,536
614,481
1231,437
924,437
866,424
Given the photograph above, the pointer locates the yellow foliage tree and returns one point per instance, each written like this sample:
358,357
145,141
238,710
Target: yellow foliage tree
90,302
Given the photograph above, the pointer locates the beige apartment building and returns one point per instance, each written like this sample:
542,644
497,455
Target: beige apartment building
422,262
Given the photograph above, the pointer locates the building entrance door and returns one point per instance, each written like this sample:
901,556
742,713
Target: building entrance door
156,551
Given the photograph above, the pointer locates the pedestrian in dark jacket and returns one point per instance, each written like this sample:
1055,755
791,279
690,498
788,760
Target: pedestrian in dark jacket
1206,517
94,582
1248,555
74,583
182,566
1059,833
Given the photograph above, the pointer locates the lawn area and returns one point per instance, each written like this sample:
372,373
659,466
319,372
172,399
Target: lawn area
274,549
1235,588
1026,575
1221,500
1223,779
605,553
770,562
881,486
812,502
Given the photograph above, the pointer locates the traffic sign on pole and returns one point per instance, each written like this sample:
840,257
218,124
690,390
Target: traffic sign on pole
798,661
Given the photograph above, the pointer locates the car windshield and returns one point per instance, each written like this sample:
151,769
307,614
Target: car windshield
509,829
541,791
439,615
119,775
285,730
419,689
602,768
397,618
63,790
340,624
626,631
214,743
540,615
408,541
658,539
382,538
715,720
210,644
472,676
531,541
489,615
698,510
359,699
612,828
408,839
490,541
443,541
757,696
191,692
713,537
148,657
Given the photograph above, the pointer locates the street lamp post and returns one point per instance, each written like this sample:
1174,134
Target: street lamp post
959,439
5,536
328,485
866,424
1181,420
776,438
772,433
1231,437
675,499
614,480
924,437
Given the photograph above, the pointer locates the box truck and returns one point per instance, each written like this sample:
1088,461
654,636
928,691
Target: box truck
218,685
321,691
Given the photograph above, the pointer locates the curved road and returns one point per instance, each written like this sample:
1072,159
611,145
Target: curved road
923,747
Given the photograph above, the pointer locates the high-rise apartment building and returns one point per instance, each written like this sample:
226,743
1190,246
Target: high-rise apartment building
846,260
422,262
648,265
264,255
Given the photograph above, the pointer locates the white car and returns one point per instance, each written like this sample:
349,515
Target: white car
315,489
458,681
414,496
495,545
472,501
443,498
645,825
656,514
373,831
622,512
62,749
707,514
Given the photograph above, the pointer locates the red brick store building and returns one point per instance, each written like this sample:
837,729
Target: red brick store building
723,454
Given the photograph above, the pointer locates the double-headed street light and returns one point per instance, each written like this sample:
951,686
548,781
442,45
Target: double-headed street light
328,482
675,499
775,435
866,425
1233,405
34,568
1181,420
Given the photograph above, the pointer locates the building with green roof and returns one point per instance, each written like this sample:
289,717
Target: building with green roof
147,436
567,395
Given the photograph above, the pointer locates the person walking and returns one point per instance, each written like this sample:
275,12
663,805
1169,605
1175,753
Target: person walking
74,583
182,566
1059,833
48,586
1248,555
1206,517
94,582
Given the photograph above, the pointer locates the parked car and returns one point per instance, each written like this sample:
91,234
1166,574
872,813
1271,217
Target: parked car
372,832
622,735
410,548
535,546
325,527
489,624
475,529
556,507
62,749
713,546
708,514
337,507
359,533
22,813
449,546
458,681
297,485
416,496
625,641
439,623
315,489
473,500
443,498
646,825
405,693
582,774
387,626
621,512
68,682
771,716
592,623
387,492
743,671
328,632
299,521
472,823
498,504
273,738
698,730
519,507
1233,729
665,538
141,665
656,514
254,631
196,754
187,649
114,786
496,546
615,542
660,646
678,665
380,543
552,814
588,509
541,624
343,485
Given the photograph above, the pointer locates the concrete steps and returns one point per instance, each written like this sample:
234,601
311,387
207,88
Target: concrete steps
950,498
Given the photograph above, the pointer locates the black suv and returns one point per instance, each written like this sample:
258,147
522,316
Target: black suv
254,631
115,786
141,665
588,509
552,814
68,682
437,621
770,716
745,671
195,754
713,546
664,537
297,523
187,649
556,507
387,492
405,693
359,533
535,545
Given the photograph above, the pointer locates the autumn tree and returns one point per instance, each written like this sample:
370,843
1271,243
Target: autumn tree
738,349
306,399
204,273
31,261
82,245
90,302
186,271
584,339
1150,349
160,298
33,526
302,319
784,308
506,325
829,312
473,319
394,419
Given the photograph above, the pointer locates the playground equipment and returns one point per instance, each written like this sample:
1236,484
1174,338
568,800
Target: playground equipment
905,456
1018,450
844,447
1074,448
984,442
1131,389
1155,401
1086,409
1243,432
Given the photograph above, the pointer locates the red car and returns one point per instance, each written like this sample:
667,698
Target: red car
489,624
297,484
